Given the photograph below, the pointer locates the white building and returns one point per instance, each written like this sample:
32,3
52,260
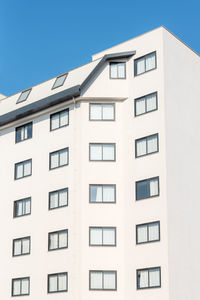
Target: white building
99,172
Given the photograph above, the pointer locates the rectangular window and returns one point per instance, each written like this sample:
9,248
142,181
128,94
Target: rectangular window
59,80
149,232
103,280
146,145
58,198
102,193
149,278
21,246
23,96
58,158
23,132
117,70
21,286
102,152
145,63
58,240
102,236
58,282
102,112
23,169
59,119
147,188
22,207
146,104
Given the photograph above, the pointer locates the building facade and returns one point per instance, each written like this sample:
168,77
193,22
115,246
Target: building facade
99,178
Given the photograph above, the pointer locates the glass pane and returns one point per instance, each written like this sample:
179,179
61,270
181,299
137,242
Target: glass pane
108,112
25,286
54,200
95,152
23,96
143,279
19,171
96,280
153,232
27,206
63,239
141,147
142,234
64,118
154,277
121,70
54,121
53,240
63,198
96,193
154,187
19,134
17,247
152,144
140,66
109,281
60,80
29,131
151,102
142,190
62,282
53,284
25,246
63,157
113,70
95,112
25,130
108,236
108,193
27,168
95,236
54,160
150,62
108,152
140,106
19,208
16,287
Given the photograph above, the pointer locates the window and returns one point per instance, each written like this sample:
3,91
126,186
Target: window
102,112
23,169
57,282
147,188
21,246
23,132
102,193
117,70
103,280
102,236
22,207
58,198
21,286
149,278
59,119
146,104
59,81
105,152
59,158
24,95
145,63
146,145
58,240
146,233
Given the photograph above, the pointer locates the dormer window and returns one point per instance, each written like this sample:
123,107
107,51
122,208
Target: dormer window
24,95
59,81
117,70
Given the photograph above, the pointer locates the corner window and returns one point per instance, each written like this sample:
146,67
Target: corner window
102,193
102,112
145,63
59,81
58,282
146,145
146,104
23,132
23,169
21,286
149,278
59,119
147,188
21,246
117,70
22,207
58,240
24,95
149,232
103,280
102,236
58,198
102,152
58,158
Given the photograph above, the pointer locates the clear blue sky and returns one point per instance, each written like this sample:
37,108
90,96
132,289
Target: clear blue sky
43,38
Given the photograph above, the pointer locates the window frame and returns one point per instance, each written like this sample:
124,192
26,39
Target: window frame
145,96
22,162
57,232
102,120
116,63
18,100
55,87
148,269
21,239
14,207
147,224
22,126
57,191
20,278
146,138
102,271
58,113
56,274
144,56
58,151
102,228
147,180
102,144
103,202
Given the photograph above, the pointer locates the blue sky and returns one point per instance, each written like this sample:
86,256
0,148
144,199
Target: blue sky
43,38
